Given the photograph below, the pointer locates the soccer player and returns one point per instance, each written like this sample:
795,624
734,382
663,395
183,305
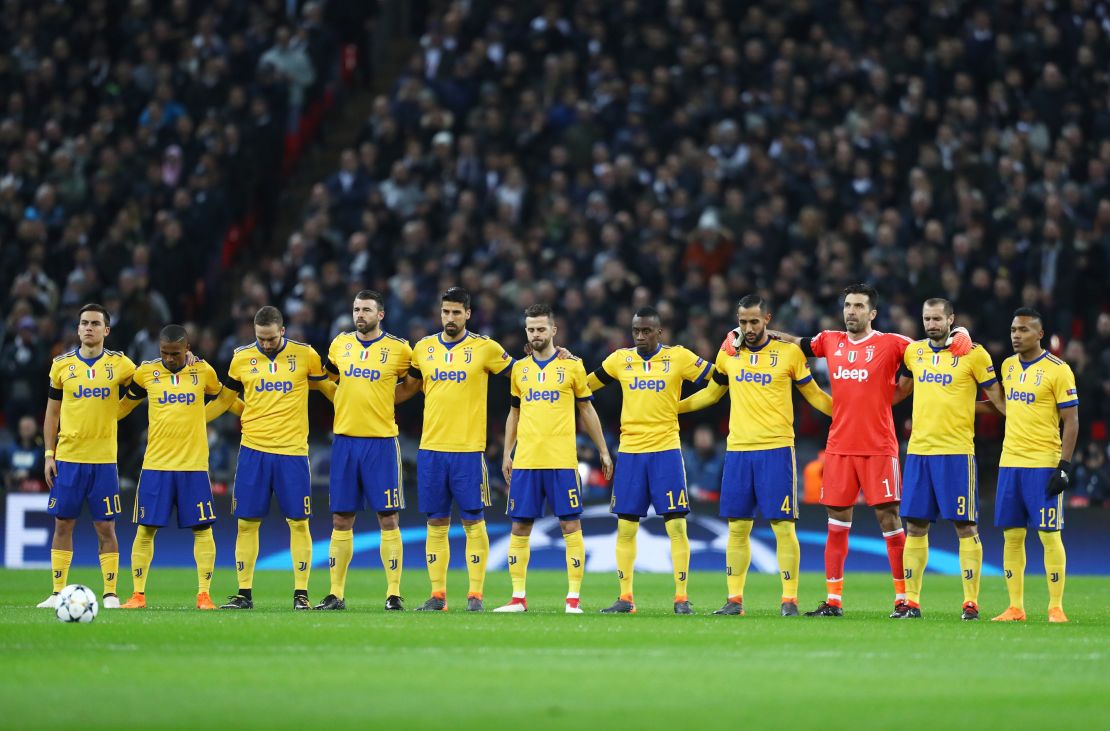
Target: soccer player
453,368
649,469
175,465
760,466
366,456
1033,472
273,375
862,450
545,394
940,476
80,436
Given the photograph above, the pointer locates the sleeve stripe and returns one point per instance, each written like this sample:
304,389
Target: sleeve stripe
321,377
583,398
720,378
705,370
54,393
1068,404
986,384
603,375
804,381
415,372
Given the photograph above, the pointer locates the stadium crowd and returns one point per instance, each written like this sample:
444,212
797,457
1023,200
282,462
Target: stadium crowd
596,155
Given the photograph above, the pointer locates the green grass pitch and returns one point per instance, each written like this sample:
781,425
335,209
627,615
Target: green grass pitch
171,666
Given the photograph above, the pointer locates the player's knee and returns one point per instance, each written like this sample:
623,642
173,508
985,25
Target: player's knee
386,521
918,528
633,518
966,530
64,526
343,521
570,526
522,527
439,522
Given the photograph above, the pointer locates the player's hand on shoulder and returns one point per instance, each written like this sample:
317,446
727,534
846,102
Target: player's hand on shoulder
191,358
732,342
607,466
562,353
959,342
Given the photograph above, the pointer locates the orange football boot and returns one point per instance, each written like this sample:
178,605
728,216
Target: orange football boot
137,601
1056,614
204,601
1012,614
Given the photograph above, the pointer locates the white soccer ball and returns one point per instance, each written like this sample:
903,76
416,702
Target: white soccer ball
76,603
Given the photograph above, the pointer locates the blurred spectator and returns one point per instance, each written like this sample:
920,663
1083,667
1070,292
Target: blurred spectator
24,459
1092,476
704,460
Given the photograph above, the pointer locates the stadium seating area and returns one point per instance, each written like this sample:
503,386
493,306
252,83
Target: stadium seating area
597,155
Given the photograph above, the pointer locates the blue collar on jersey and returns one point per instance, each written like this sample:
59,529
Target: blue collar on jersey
657,349
88,361
466,334
761,347
183,366
1042,356
542,363
368,343
273,357
934,348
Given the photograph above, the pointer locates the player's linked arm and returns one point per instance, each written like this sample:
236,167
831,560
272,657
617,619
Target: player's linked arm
135,395
407,388
326,387
713,392
817,397
995,403
598,379
904,388
226,400
50,433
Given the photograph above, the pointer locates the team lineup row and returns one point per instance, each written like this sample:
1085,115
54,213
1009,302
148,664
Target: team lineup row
367,371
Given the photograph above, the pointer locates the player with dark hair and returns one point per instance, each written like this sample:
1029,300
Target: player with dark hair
1033,472
273,375
175,465
862,451
761,469
79,433
940,477
367,363
452,368
546,393
649,469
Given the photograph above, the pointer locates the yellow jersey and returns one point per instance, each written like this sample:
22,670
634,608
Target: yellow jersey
368,372
945,388
546,392
177,436
90,390
760,382
455,380
275,393
1034,392
651,389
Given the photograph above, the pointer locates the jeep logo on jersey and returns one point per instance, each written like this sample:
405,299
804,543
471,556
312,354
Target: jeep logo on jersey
356,372
763,379
177,398
944,379
86,392
537,395
442,375
850,374
1024,397
279,386
647,384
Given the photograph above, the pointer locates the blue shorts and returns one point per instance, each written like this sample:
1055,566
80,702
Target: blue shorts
78,483
650,478
160,490
940,484
561,490
767,478
261,474
443,476
366,472
1020,500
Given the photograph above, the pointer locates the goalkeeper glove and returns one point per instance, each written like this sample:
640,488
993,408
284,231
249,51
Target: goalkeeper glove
732,342
1059,481
959,342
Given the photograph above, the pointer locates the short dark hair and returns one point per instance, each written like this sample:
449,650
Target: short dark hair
173,334
540,309
1028,312
941,302
268,315
647,312
94,307
866,289
456,294
753,300
371,294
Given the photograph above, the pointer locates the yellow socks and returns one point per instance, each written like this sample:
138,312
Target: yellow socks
680,556
576,562
477,552
109,568
246,552
438,551
915,556
789,554
300,546
519,553
1054,565
626,555
738,556
971,565
392,553
59,566
1013,565
339,560
142,554
204,553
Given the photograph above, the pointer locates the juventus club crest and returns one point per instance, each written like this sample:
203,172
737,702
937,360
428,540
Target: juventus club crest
561,375
292,361
468,355
1039,378
667,364
384,356
108,370
194,377
869,354
774,359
